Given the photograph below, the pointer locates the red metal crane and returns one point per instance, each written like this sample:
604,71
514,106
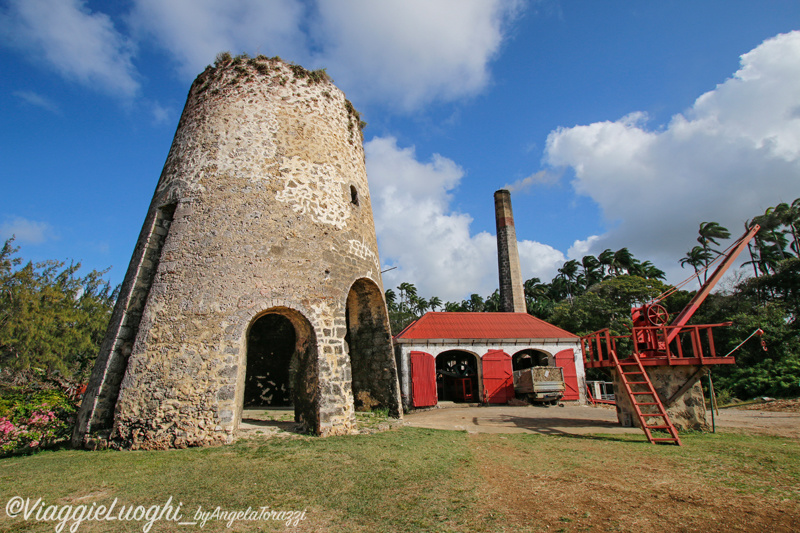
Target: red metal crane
650,320
656,343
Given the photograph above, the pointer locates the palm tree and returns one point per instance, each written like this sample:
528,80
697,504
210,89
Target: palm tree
558,289
391,298
770,223
407,292
534,288
623,260
793,221
606,259
591,271
492,303
535,294
768,258
420,305
753,259
696,258
452,307
435,303
568,273
475,303
788,216
709,233
649,271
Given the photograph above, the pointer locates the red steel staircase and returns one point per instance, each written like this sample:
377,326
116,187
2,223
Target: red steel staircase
645,400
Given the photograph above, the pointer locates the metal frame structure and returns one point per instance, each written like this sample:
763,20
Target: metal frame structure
654,343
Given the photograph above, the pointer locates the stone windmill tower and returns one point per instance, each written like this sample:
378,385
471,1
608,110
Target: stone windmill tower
255,279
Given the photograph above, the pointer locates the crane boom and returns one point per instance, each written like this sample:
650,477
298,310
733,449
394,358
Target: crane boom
704,291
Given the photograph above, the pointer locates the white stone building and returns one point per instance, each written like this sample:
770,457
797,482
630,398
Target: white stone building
469,357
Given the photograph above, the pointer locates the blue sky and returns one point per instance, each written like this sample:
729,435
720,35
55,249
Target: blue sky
614,123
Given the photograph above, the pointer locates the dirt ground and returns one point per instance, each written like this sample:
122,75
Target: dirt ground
579,420
568,484
774,405
537,490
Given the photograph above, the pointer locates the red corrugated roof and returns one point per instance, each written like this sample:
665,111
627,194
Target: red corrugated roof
482,326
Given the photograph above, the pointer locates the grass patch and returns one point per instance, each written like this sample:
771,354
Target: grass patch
407,480
413,479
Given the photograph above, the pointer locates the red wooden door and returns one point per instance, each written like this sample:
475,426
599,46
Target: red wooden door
423,379
498,383
566,360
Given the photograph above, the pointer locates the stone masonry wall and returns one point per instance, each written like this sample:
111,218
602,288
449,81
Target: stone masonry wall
687,412
272,214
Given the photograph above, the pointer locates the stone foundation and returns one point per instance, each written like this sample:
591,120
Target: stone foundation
686,412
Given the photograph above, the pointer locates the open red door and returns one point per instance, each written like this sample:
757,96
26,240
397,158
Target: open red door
423,379
566,360
498,382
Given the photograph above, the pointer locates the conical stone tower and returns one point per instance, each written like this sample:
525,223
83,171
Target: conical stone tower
255,280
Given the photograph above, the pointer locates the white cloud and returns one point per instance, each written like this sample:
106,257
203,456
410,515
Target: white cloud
580,248
195,31
412,52
543,177
430,244
406,53
36,99
77,43
732,155
26,231
161,115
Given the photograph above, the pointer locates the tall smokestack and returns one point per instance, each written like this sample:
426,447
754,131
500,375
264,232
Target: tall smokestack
512,294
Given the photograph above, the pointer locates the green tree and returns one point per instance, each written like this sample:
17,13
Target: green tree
770,233
391,299
492,303
697,258
709,233
623,262
568,273
647,270
454,307
789,217
592,272
51,319
606,305
606,260
419,306
475,303
407,293
769,302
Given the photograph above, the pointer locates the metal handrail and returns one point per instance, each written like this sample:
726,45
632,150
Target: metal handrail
598,347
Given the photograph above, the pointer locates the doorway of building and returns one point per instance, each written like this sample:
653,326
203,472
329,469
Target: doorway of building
281,377
270,373
369,345
529,358
457,376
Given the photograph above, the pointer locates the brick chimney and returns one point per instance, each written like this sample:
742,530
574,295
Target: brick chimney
512,294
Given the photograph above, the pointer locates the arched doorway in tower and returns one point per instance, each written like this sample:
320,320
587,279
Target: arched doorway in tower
457,376
281,369
369,344
529,358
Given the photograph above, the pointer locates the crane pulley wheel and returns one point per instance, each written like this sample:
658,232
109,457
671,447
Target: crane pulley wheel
657,314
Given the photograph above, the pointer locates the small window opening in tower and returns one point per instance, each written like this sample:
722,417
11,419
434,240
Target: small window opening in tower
353,195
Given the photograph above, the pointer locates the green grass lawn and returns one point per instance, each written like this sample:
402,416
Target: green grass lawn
411,479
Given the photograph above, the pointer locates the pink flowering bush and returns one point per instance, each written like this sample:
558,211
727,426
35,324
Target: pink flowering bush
33,420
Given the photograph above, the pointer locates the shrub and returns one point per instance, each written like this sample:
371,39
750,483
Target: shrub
31,420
